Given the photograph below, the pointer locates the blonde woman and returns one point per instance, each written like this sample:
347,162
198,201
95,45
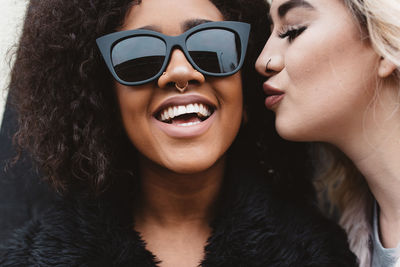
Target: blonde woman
333,76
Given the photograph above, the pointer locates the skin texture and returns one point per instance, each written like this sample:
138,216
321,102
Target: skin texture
329,75
181,176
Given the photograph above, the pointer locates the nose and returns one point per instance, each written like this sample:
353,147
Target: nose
179,73
271,60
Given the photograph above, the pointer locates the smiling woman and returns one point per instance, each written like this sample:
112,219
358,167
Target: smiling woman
142,114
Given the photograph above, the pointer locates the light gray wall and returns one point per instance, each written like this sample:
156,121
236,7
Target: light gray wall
11,18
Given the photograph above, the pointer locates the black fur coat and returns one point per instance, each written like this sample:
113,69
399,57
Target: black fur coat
255,226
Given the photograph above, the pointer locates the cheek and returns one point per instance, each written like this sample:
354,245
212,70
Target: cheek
133,106
330,88
228,91
231,100
340,64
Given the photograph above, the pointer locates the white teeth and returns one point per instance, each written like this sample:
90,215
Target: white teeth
188,123
190,108
172,112
181,110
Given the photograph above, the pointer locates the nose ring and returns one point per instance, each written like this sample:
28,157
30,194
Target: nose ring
182,89
267,70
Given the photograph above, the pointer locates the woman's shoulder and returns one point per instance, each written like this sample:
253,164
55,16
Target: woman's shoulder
263,226
75,234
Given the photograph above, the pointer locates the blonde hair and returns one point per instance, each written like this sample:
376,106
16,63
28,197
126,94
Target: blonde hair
381,19
339,180
343,189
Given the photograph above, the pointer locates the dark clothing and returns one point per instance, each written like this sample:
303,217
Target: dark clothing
254,226
22,195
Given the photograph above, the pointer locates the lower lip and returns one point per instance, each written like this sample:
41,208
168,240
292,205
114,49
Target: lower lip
191,131
272,100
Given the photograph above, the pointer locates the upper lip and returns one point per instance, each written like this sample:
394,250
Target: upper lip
183,100
270,90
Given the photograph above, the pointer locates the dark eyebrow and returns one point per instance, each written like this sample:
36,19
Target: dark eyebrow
192,23
285,7
185,25
151,28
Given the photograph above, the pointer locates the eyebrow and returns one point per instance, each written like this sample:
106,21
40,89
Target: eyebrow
285,7
151,28
192,23
185,25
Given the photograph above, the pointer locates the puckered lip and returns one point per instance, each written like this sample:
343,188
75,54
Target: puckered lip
270,90
184,99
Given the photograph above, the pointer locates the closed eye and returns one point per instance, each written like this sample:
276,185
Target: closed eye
292,32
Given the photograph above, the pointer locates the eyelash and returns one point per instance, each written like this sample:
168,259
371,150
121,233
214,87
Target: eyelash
291,32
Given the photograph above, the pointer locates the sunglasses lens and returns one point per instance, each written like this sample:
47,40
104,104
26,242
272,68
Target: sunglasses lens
138,58
215,50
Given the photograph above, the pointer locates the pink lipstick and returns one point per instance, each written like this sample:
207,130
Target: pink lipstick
274,95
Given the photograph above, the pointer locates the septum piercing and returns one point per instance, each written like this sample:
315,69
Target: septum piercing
266,66
182,89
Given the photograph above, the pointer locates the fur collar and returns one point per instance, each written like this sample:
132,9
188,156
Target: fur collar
254,226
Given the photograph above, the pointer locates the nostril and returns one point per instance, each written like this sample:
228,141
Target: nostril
194,82
172,84
268,71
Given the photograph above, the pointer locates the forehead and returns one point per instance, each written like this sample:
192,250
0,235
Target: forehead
281,7
169,16
322,8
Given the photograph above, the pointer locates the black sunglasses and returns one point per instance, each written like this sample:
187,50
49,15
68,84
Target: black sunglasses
139,56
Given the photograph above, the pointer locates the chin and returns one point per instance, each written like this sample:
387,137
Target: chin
187,167
194,160
291,131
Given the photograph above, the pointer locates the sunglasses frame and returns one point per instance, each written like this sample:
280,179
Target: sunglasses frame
107,42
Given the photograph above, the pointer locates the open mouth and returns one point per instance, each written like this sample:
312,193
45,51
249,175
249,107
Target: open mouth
185,115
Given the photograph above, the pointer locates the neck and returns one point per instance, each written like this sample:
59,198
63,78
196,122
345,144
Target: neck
175,210
170,198
375,150
382,172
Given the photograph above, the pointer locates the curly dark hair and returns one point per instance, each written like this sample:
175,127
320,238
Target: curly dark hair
67,112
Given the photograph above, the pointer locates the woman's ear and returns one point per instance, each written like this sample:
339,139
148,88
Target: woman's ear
386,67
